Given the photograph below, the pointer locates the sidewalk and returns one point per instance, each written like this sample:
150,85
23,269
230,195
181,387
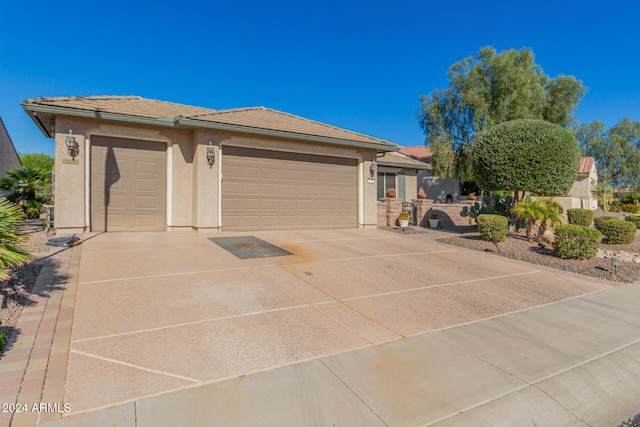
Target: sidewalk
572,363
34,369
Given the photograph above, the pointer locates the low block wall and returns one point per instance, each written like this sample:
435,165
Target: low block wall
449,214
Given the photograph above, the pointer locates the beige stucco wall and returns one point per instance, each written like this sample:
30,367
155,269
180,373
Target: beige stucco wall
437,189
581,190
8,157
410,184
193,190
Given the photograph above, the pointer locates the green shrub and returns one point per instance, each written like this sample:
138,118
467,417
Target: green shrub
576,241
2,339
580,216
631,208
598,221
526,155
493,227
634,219
617,231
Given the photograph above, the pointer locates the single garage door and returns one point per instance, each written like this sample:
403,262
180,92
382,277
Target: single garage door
128,185
271,190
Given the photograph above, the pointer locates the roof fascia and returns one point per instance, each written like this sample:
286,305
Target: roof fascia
405,165
62,111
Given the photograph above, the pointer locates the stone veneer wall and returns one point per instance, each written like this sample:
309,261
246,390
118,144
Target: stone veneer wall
449,214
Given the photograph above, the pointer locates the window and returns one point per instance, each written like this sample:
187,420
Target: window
386,180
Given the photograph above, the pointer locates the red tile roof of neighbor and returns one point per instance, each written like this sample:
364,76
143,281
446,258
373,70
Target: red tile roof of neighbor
586,163
418,152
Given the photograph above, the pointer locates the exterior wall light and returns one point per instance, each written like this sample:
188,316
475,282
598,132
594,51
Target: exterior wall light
373,168
211,155
72,145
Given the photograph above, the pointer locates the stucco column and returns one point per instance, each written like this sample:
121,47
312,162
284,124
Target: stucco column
70,183
205,184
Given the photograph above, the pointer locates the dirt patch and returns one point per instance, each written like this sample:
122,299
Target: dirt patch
517,247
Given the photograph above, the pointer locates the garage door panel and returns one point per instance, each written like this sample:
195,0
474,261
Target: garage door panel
128,185
294,190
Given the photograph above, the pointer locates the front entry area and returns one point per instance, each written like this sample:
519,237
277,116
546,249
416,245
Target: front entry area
128,185
272,190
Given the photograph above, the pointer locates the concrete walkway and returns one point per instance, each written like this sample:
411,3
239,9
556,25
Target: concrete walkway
357,327
573,363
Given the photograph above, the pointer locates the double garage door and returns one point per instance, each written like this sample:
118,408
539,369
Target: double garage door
271,190
261,190
128,185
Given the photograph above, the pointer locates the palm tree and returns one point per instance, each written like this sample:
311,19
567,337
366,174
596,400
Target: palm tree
550,212
529,209
10,220
23,183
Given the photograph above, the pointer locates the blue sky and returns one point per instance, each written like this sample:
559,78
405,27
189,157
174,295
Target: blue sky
354,64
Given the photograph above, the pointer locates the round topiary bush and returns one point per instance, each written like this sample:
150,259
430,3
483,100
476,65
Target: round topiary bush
634,219
576,241
526,155
580,216
492,227
617,231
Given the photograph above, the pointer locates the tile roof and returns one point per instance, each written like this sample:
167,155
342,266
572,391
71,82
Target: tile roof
586,163
128,105
253,117
418,152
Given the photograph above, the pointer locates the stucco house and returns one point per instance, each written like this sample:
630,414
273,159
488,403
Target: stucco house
125,163
580,195
437,189
9,158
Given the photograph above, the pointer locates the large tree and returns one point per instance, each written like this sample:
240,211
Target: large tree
486,90
615,150
40,161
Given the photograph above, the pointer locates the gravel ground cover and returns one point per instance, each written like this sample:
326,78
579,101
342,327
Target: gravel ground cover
15,293
517,247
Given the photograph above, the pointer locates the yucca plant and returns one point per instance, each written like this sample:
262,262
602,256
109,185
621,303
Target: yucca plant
11,217
531,211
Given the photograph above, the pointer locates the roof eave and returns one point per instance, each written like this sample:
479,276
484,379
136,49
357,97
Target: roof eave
93,114
380,147
405,165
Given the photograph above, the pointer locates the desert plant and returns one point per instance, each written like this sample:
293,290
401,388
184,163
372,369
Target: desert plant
10,235
576,241
604,194
492,227
500,205
630,207
615,230
634,219
531,211
550,213
580,216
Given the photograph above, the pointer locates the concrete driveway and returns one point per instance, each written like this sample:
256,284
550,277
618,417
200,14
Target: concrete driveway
156,312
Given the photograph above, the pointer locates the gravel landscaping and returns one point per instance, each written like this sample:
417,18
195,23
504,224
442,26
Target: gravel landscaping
15,293
517,247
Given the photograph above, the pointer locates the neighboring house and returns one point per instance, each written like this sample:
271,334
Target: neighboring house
580,195
437,189
134,164
9,158
395,170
